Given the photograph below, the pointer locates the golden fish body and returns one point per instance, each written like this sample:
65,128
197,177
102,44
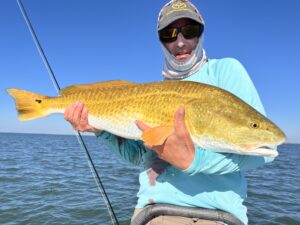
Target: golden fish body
216,119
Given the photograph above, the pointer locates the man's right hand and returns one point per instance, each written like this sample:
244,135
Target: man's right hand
77,115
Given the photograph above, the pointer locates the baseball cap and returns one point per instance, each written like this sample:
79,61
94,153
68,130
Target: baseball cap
177,9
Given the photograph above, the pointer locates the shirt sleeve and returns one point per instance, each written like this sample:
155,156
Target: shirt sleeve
127,149
231,76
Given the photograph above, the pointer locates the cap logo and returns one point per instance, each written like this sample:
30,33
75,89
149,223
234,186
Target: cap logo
179,6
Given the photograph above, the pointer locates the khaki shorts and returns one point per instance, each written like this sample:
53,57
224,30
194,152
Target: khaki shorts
176,220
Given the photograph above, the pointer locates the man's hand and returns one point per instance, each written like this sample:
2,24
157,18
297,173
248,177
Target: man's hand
77,115
178,149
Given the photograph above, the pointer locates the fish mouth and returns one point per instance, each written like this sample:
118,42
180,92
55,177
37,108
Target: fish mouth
269,145
266,151
273,145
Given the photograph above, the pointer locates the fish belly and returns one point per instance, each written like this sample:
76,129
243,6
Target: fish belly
123,128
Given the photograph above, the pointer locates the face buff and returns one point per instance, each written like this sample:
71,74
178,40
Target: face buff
175,68
179,69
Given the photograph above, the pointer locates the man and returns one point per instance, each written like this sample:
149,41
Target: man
177,172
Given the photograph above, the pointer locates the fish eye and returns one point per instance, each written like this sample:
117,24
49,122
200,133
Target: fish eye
254,125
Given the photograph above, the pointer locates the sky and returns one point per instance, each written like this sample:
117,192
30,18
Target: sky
90,40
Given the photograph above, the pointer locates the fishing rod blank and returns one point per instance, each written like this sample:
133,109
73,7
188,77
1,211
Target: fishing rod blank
79,137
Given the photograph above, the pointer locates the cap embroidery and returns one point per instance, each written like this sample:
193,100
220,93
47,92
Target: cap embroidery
179,6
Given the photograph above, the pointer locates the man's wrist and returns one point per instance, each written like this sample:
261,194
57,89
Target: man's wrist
188,160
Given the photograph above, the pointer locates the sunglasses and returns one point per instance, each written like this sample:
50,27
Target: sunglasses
189,31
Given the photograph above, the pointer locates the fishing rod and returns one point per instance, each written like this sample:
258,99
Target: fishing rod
91,164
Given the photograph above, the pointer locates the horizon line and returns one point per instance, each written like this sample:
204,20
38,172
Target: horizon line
87,134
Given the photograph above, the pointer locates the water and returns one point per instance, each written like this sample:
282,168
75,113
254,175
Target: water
45,179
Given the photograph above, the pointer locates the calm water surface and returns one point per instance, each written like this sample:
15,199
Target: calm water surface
45,179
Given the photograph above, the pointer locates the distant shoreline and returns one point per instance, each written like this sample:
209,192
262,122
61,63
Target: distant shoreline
87,134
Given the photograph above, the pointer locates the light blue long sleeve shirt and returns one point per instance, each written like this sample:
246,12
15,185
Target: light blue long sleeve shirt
213,180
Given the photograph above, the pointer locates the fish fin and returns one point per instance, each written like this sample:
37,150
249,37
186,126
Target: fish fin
28,104
106,84
157,135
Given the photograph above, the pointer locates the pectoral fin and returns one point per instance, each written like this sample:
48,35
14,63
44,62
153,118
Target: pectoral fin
157,135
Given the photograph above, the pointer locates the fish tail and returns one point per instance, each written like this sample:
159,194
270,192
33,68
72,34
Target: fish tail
28,104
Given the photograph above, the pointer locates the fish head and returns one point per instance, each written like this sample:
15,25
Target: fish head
251,133
260,132
233,128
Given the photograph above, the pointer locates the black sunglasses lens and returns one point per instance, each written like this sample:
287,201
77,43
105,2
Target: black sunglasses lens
168,34
191,31
188,31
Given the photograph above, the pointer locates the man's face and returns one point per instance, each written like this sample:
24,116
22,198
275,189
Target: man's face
181,48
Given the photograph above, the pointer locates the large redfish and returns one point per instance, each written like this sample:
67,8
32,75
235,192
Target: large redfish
216,119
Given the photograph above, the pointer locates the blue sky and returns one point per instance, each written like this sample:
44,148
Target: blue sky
89,40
